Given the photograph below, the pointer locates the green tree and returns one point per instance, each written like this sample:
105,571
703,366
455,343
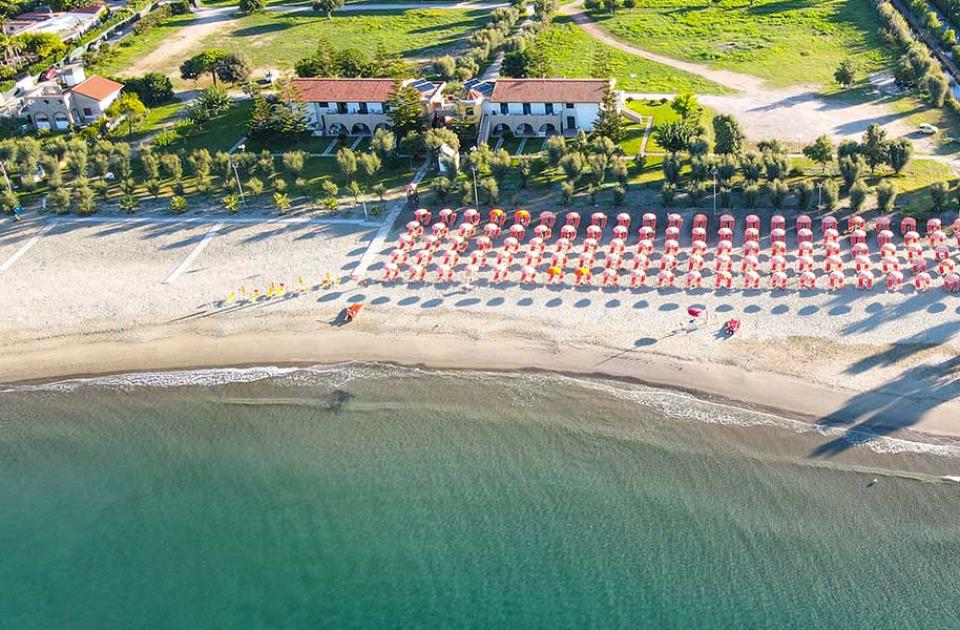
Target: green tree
874,147
688,108
172,166
555,148
899,152
939,196
673,136
327,6
445,67
518,64
858,195
572,165
609,123
820,151
384,143
84,202
321,63
252,6
851,170
886,196
845,74
62,199
232,69
347,163
202,63
728,135
938,88
405,111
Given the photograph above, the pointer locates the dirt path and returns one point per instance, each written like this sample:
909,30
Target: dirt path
797,114
726,78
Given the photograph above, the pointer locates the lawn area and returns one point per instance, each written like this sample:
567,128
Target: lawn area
134,47
157,118
571,53
220,134
511,145
785,41
280,39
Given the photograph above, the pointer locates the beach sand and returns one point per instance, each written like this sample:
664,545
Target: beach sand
96,298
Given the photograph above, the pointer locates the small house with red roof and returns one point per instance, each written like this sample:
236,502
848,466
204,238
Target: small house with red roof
68,99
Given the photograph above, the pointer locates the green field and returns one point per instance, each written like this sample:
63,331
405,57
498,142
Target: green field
785,41
280,39
571,53
136,46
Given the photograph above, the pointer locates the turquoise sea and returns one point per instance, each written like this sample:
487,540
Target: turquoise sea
371,496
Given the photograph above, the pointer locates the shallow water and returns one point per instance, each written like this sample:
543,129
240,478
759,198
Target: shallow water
368,496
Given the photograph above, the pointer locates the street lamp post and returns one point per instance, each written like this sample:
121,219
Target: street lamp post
236,174
715,173
820,197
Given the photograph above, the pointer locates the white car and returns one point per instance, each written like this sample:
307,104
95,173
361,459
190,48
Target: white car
928,129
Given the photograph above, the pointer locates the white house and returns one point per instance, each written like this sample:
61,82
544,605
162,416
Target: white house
68,98
356,107
67,25
542,107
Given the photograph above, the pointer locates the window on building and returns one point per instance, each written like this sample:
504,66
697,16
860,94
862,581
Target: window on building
363,108
503,108
549,108
87,111
569,105
322,105
526,109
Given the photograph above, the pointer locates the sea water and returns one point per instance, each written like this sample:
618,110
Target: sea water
365,496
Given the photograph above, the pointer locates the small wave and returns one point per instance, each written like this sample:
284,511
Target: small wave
179,378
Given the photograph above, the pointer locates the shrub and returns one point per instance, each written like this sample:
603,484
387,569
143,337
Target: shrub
751,195
804,193
939,194
178,205
858,195
886,196
830,194
777,193
668,193
566,192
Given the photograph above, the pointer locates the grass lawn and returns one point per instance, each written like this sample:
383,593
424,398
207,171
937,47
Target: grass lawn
157,118
571,52
280,39
511,145
785,41
136,46
220,134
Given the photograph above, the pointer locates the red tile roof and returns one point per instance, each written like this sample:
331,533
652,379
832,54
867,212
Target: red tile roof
97,88
344,90
93,9
548,90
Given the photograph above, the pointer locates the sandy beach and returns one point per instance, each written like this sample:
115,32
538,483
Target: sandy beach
102,297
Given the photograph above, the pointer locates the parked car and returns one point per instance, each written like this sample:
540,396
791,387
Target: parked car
928,129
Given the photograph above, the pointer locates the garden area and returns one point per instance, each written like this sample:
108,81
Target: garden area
786,42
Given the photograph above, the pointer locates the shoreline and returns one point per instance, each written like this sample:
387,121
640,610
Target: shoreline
149,349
